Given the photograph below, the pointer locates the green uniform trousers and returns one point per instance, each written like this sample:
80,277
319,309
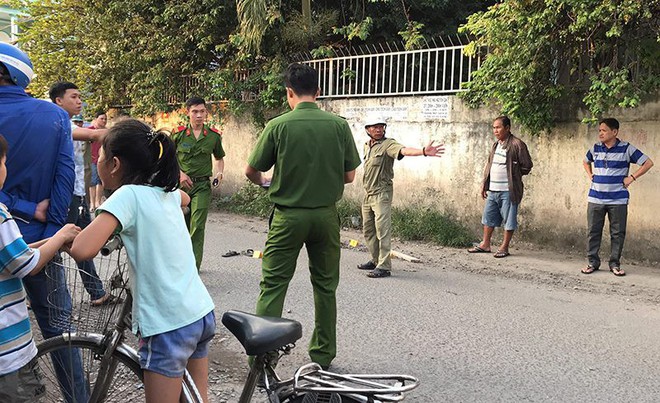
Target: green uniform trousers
377,228
200,198
318,230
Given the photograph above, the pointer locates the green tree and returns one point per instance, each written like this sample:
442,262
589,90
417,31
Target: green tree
126,51
541,54
146,53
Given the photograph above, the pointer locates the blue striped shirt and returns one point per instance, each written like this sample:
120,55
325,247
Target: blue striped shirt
610,167
17,260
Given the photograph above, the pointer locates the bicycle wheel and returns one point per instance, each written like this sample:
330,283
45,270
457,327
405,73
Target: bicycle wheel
314,397
57,358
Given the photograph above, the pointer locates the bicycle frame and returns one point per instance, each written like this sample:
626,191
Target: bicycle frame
113,341
268,339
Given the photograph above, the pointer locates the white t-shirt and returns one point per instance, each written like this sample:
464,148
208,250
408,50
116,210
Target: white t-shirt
79,161
499,179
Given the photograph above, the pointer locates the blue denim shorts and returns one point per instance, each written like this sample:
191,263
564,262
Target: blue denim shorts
96,180
168,353
500,212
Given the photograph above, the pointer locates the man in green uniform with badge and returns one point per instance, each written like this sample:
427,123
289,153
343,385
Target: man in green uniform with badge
379,156
313,153
195,143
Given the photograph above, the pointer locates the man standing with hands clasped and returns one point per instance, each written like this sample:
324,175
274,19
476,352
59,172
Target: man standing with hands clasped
607,164
502,186
379,156
195,143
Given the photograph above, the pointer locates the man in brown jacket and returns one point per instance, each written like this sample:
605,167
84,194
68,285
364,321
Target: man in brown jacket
502,186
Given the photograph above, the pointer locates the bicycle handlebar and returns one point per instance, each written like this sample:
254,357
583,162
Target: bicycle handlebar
112,245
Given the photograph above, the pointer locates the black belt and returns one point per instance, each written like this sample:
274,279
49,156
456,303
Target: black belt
198,179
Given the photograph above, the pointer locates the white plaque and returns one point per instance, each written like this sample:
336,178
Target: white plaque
436,107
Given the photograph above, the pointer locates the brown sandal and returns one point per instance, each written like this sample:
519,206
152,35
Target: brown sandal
588,270
617,271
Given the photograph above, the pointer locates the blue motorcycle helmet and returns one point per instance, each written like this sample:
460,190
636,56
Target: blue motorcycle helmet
17,63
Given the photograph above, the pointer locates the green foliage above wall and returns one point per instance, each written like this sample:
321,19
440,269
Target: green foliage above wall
543,54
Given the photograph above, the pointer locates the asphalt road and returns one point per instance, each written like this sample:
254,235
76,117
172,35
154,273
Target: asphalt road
472,329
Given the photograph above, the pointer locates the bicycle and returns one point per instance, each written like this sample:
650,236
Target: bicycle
111,368
267,339
112,371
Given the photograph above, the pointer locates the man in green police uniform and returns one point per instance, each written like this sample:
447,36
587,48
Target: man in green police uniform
379,156
194,145
314,155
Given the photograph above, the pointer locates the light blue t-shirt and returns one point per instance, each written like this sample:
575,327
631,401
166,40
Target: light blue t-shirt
167,291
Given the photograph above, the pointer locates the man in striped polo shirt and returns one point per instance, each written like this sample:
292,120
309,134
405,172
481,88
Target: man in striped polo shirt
607,164
502,186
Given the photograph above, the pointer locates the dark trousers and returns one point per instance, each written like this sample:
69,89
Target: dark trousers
79,215
617,214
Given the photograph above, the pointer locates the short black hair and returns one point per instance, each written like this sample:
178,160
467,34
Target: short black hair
99,113
506,122
611,123
4,147
302,79
195,101
58,89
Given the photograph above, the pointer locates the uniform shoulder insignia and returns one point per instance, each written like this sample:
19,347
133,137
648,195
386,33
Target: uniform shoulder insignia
180,129
213,129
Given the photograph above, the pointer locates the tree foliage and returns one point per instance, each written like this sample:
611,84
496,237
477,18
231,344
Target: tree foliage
542,53
146,52
125,50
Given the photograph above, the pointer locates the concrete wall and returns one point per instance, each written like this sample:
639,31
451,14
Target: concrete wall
553,211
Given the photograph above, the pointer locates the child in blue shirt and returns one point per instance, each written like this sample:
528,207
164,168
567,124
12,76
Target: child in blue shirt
172,310
20,379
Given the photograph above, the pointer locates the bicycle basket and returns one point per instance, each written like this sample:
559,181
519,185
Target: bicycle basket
72,287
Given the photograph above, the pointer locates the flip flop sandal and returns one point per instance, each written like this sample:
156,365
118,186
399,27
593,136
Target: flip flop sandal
617,271
478,249
501,254
230,253
248,252
588,270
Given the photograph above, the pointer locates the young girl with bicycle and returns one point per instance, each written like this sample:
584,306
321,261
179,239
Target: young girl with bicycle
172,310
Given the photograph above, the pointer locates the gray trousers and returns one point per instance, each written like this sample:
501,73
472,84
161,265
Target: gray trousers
617,214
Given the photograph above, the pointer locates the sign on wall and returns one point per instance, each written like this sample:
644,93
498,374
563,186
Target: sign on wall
387,112
435,107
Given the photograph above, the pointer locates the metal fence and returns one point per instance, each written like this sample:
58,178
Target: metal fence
387,71
442,70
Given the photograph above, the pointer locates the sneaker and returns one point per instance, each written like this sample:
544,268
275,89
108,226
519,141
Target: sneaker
378,273
367,266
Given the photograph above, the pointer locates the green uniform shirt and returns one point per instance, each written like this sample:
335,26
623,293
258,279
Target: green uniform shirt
379,165
194,154
311,150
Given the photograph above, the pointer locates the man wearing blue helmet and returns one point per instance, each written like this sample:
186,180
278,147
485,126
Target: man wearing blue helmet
39,187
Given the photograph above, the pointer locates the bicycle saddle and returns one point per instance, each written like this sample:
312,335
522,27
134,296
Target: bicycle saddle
261,334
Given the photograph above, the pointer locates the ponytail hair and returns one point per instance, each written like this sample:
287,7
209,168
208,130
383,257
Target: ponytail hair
148,156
